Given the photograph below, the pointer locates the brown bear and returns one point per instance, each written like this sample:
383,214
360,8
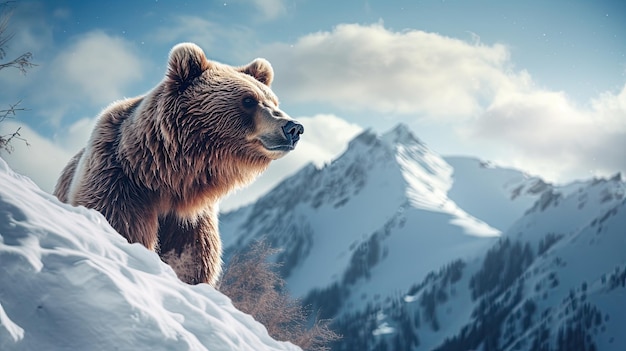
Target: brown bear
156,165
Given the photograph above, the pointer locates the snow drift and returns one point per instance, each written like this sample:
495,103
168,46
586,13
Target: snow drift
69,281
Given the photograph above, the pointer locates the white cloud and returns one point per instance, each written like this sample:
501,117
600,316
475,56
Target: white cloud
98,67
95,70
546,133
370,68
470,87
41,160
75,136
325,137
81,78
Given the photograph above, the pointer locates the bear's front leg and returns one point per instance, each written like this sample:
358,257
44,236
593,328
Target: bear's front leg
192,248
136,223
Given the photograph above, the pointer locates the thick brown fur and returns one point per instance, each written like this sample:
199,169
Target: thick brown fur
156,165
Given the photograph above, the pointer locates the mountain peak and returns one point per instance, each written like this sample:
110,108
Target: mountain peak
366,137
400,134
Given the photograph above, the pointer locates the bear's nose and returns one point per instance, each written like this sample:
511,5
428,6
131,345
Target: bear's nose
292,131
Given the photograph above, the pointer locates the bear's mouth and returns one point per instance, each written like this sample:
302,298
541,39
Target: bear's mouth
278,147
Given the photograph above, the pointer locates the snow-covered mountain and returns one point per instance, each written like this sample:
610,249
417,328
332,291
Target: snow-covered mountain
68,281
389,209
406,250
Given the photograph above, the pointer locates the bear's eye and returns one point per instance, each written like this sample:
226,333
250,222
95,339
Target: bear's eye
249,102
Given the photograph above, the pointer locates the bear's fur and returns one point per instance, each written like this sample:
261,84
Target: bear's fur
156,165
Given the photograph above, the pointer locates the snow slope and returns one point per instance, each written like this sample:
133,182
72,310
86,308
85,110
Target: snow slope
574,271
498,196
68,281
556,280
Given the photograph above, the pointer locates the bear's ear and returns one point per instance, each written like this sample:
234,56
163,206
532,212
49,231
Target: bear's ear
261,70
187,62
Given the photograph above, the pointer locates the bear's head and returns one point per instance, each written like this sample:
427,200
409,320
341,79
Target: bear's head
223,117
231,105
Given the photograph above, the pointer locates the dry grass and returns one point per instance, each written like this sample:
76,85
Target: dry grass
255,288
183,264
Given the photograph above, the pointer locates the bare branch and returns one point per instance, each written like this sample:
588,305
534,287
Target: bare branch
5,140
10,112
6,11
23,61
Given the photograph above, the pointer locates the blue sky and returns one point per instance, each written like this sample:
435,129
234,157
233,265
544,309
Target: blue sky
537,85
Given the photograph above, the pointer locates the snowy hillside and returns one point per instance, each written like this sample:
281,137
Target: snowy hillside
409,250
555,281
68,281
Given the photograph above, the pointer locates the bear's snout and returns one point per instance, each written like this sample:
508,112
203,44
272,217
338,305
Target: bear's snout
292,131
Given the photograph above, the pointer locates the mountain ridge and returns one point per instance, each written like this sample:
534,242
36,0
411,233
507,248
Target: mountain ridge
390,222
372,183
